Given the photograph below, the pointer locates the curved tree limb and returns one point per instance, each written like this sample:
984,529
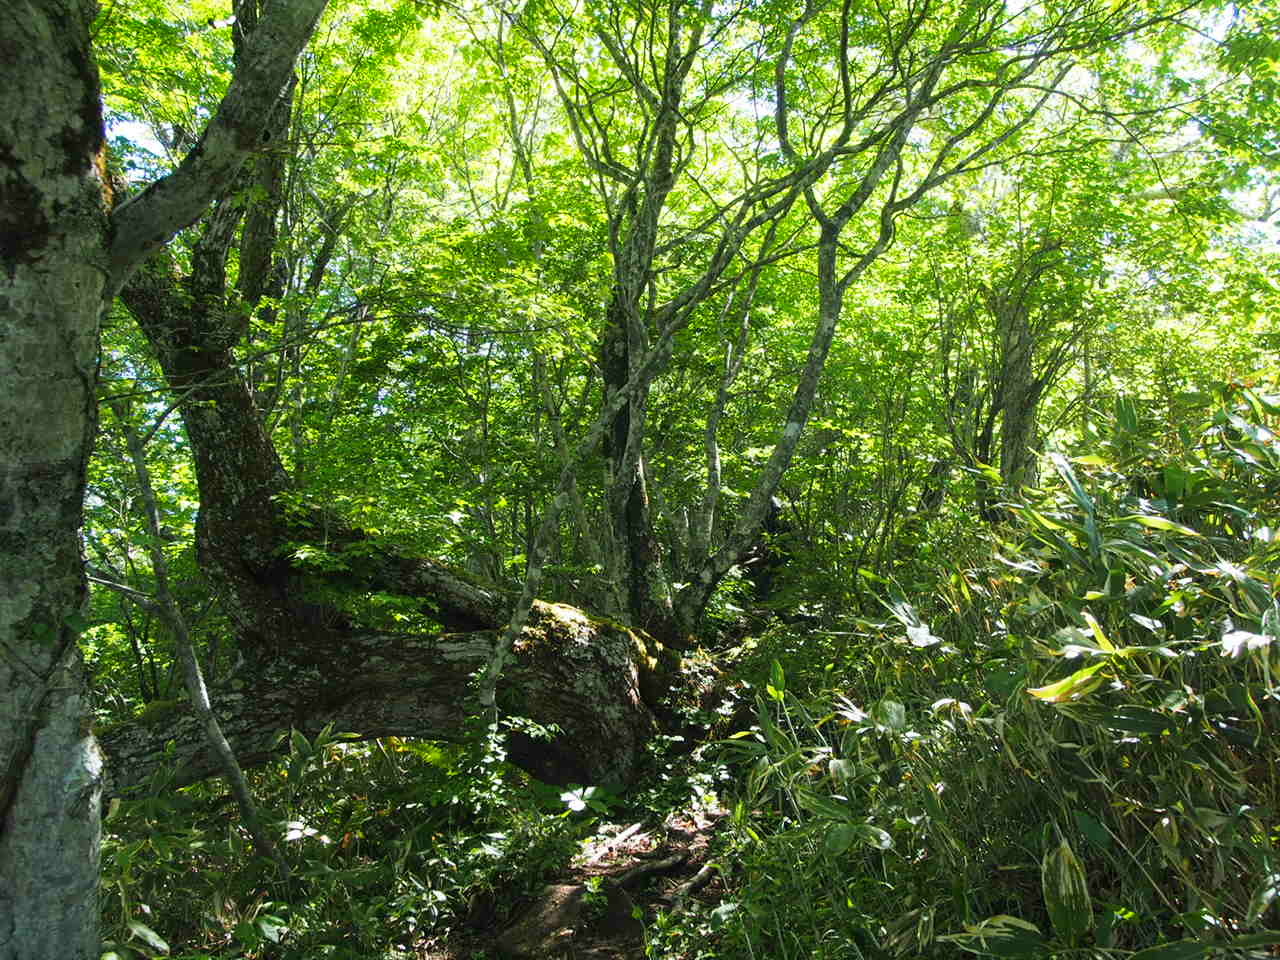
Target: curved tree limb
144,223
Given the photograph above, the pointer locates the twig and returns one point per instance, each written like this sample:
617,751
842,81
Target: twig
614,842
642,871
692,886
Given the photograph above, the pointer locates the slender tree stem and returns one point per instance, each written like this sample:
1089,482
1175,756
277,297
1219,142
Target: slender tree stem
167,608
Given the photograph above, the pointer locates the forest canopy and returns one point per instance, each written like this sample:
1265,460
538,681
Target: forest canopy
438,435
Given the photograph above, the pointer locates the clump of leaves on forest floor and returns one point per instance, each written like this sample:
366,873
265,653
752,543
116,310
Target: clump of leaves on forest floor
401,849
1068,751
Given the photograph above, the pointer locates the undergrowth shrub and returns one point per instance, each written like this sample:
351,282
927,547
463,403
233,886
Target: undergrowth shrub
390,840
1068,752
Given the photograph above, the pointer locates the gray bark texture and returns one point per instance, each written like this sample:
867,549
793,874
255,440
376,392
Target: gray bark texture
564,669
52,276
1020,329
60,258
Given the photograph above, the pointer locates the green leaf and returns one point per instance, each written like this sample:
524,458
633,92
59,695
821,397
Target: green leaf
890,715
247,934
1000,936
873,836
1002,680
1070,688
840,838
1134,719
1161,523
1268,938
1093,829
1066,892
273,928
324,737
1039,518
1179,950
299,744
148,936
1177,483
777,685
1098,633
1082,498
1116,582
822,806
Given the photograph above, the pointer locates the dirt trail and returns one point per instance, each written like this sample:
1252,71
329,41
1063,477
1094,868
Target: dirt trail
589,911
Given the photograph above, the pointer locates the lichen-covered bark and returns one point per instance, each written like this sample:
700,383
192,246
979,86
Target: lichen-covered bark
566,669
51,281
1019,339
60,258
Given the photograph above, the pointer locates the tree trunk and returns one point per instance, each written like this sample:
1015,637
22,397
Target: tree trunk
693,599
636,544
582,675
314,646
60,258
1018,386
1019,394
52,277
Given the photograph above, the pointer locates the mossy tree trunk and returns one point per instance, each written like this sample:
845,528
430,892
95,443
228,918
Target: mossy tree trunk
315,646
582,675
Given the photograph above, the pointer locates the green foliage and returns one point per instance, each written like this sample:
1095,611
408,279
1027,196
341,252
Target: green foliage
1071,755
390,841
1047,735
